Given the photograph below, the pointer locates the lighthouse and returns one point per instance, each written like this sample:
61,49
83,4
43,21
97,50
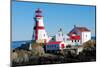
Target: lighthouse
40,35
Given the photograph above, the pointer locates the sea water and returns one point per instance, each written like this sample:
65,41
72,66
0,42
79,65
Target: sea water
16,44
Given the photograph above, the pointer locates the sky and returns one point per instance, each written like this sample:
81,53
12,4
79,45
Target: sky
56,16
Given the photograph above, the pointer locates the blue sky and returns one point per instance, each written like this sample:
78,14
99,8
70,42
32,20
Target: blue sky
55,16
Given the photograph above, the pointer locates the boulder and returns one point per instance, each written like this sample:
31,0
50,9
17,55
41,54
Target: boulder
20,56
38,50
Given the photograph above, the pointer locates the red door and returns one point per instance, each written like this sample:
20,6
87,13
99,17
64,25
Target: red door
62,46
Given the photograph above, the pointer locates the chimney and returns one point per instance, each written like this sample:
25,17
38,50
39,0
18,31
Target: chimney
74,26
60,29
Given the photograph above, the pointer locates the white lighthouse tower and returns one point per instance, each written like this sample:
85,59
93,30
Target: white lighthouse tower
40,34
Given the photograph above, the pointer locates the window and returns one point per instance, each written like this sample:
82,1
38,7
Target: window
86,35
47,46
44,35
75,40
78,40
63,39
67,39
51,46
55,46
72,40
62,34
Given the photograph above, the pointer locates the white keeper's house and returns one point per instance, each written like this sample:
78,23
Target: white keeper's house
83,32
77,36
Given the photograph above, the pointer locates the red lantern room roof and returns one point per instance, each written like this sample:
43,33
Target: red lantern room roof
38,16
38,11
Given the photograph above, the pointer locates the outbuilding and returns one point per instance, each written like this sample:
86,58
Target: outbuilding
59,45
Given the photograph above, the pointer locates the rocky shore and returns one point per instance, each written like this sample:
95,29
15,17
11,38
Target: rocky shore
37,56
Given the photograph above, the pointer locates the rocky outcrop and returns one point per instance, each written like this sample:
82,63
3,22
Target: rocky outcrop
37,55
20,56
37,49
90,43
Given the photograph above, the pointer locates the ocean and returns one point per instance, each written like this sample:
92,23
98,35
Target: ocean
16,44
93,38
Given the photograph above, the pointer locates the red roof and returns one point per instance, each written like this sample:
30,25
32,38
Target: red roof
58,42
74,37
82,29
